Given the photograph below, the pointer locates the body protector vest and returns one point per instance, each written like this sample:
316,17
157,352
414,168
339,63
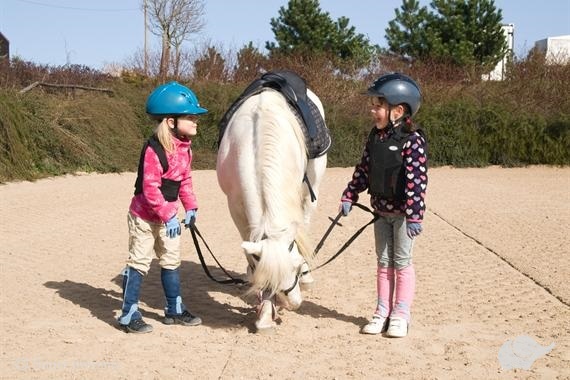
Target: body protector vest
386,175
168,187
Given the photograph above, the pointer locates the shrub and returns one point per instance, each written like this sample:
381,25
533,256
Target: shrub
523,120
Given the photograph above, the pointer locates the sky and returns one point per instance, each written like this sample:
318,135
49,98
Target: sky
97,33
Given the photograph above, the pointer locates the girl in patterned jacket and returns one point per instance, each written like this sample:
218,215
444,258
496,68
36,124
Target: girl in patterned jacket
394,170
164,178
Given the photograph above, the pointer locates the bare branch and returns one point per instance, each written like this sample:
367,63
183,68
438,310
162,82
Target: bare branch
174,21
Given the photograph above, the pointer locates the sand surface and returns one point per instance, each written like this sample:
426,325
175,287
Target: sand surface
492,265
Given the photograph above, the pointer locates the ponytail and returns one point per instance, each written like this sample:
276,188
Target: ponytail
164,135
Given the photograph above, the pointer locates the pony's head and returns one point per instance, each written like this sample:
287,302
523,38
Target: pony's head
277,269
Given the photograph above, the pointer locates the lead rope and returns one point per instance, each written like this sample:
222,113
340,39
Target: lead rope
348,242
232,280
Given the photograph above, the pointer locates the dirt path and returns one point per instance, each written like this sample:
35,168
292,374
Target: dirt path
492,265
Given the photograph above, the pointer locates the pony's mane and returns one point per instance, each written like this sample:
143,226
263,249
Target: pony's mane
281,161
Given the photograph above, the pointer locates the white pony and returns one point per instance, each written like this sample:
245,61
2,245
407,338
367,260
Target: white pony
261,163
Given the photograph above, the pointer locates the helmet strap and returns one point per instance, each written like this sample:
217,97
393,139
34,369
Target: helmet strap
175,129
390,122
406,123
404,120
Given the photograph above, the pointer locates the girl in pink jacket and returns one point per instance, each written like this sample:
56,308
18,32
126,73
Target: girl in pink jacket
164,178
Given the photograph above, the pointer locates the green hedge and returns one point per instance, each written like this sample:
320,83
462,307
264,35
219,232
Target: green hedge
45,134
464,134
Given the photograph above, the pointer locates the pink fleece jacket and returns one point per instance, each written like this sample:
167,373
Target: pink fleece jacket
150,205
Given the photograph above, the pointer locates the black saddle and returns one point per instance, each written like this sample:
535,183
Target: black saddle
294,89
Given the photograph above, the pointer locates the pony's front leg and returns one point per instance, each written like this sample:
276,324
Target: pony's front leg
266,314
306,280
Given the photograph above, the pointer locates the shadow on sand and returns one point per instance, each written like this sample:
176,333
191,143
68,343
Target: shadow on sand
104,303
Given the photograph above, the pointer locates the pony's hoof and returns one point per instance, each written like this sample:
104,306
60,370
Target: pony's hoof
265,330
266,315
283,302
307,283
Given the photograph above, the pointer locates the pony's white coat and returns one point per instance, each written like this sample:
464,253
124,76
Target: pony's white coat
261,162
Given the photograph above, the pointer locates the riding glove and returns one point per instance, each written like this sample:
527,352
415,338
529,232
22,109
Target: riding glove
345,207
190,218
173,227
413,229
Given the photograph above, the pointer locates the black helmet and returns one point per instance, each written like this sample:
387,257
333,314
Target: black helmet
397,88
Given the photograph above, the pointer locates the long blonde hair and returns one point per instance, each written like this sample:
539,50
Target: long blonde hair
164,135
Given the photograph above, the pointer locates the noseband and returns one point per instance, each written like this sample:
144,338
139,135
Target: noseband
297,276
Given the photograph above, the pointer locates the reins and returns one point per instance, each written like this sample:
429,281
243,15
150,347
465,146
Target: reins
232,280
348,242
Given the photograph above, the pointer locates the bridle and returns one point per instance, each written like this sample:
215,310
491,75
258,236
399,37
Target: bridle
297,276
231,280
295,282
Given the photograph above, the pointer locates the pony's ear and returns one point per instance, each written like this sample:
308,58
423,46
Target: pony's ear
252,247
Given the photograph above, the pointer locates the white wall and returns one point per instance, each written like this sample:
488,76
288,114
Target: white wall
556,49
499,71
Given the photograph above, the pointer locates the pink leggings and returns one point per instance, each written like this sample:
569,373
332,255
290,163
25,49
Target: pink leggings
399,284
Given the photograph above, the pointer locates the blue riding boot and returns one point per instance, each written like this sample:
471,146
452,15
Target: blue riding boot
131,318
175,311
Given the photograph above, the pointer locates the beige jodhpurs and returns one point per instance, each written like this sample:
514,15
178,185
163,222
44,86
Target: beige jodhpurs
148,238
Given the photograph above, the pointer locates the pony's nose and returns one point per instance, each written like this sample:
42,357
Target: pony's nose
294,305
291,301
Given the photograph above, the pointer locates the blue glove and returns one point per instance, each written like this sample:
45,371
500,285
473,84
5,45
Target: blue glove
173,227
345,207
413,229
190,218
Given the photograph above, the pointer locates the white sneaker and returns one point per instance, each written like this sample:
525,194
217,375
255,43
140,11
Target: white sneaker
375,326
397,328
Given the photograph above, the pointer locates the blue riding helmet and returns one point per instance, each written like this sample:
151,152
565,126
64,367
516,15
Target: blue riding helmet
397,89
173,99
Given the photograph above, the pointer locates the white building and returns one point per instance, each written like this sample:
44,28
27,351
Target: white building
500,70
555,49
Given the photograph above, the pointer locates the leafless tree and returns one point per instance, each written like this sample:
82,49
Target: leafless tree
174,21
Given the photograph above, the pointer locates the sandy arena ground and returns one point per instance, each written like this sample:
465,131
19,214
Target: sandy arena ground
492,265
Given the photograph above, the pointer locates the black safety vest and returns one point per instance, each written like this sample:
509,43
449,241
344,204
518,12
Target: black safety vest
168,187
386,173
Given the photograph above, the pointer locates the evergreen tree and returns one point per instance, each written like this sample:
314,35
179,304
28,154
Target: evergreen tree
303,28
407,35
465,32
